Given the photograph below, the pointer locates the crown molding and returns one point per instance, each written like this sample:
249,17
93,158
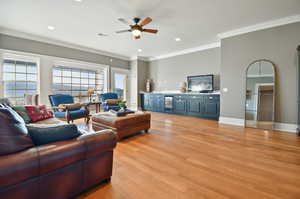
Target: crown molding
133,58
187,51
23,35
260,26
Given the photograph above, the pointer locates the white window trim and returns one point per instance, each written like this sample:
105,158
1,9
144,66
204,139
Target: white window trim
19,57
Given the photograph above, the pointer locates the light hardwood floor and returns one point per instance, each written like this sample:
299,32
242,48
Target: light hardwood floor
187,158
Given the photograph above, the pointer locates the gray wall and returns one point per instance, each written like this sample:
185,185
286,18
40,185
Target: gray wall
276,44
31,46
168,73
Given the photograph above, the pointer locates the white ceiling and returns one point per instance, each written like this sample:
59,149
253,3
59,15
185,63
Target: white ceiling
196,22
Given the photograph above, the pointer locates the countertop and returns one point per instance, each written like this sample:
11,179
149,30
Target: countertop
179,93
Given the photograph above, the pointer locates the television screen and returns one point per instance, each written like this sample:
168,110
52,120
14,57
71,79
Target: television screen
200,83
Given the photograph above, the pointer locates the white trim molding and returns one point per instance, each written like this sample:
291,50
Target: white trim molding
232,121
260,26
23,35
286,127
134,58
187,51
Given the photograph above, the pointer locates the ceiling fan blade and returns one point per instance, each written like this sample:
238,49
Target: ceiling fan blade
137,37
124,21
150,31
122,31
146,21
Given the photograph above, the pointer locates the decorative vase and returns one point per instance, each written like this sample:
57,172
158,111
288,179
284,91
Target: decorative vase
148,86
183,87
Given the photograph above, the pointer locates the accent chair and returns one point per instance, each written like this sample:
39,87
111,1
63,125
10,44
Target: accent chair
67,113
107,105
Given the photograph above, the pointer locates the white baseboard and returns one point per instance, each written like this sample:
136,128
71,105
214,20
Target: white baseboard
285,127
232,121
241,122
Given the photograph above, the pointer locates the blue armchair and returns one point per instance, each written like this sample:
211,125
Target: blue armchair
107,106
65,113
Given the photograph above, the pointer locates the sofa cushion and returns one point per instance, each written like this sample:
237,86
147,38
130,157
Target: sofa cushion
21,110
73,114
50,121
38,113
44,135
13,135
98,142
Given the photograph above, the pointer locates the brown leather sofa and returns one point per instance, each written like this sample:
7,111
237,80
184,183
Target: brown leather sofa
58,170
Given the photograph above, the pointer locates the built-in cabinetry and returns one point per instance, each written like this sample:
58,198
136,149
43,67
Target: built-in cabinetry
195,105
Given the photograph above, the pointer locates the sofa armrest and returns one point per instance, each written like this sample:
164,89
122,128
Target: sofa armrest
98,142
18,167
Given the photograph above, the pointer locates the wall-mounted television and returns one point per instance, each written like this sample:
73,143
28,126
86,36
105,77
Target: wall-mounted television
200,83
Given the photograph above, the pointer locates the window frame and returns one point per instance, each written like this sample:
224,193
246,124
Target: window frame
22,58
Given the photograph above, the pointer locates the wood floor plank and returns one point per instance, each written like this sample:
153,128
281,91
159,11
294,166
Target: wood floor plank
187,158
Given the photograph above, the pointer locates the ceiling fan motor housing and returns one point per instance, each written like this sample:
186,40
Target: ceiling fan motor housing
136,20
136,27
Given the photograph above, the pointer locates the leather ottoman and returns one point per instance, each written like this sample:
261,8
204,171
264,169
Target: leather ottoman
122,126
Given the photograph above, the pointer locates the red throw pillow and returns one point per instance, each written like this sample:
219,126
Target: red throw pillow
38,113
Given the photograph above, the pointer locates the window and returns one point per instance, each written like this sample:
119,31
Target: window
19,78
76,82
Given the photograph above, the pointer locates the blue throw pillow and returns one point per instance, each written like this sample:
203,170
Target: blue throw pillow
44,135
13,118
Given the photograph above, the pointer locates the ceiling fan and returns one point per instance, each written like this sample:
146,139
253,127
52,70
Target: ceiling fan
137,28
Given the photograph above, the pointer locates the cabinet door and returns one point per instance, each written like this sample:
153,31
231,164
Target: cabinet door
195,105
146,102
158,103
180,105
212,106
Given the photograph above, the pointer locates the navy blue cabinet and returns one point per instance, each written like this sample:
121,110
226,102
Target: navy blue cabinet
197,105
180,104
158,103
211,106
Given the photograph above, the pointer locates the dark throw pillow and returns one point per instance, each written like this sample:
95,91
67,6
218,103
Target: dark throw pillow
13,134
21,110
44,135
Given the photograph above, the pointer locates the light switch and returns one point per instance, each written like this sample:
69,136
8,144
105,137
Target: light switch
225,90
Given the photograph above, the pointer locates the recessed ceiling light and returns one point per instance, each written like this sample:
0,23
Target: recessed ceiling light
78,0
140,50
51,27
177,39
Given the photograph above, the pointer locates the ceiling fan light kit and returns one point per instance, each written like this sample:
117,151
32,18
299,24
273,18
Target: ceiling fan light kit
137,28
